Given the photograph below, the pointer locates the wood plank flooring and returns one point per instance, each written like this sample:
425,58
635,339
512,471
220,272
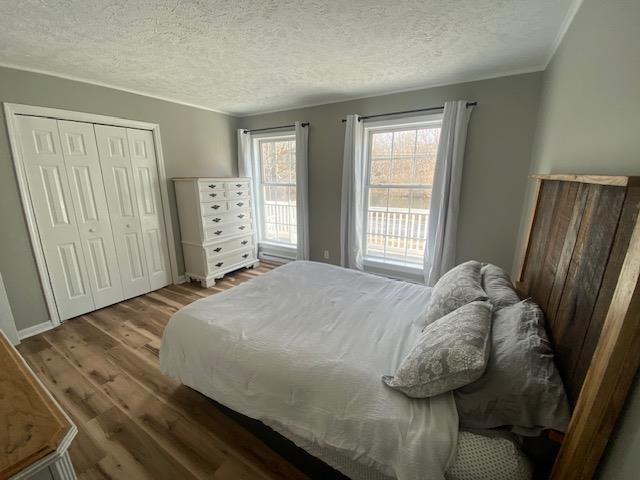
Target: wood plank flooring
135,423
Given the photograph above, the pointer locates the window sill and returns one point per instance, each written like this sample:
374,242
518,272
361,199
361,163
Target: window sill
400,271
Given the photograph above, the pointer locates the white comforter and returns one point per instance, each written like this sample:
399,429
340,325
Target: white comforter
303,348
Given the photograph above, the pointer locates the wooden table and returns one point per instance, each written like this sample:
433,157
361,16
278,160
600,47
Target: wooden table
35,433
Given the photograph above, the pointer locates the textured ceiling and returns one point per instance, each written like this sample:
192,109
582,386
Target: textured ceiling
245,57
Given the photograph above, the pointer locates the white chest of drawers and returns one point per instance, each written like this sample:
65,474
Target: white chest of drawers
217,226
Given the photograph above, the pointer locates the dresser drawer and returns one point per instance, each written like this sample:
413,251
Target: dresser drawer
237,194
226,218
231,259
222,248
237,185
213,208
239,204
225,230
205,186
208,196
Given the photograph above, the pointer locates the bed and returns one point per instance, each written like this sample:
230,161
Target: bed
302,349
263,349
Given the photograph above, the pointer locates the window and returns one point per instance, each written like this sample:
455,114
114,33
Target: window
400,161
275,160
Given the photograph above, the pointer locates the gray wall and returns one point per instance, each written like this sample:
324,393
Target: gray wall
496,162
194,142
590,123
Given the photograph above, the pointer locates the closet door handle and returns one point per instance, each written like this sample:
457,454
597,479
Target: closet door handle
215,207
216,219
218,232
241,215
245,255
217,249
239,193
242,227
238,185
219,264
213,194
244,242
240,204
212,186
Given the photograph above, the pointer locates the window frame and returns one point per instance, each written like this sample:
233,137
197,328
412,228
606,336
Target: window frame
269,247
379,265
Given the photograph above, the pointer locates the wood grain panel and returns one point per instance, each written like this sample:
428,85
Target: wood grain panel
583,266
31,424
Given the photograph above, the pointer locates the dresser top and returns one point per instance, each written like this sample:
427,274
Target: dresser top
209,179
32,425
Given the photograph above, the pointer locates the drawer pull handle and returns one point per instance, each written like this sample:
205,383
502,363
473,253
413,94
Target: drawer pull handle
238,185
216,219
240,204
244,242
241,215
239,193
212,186
215,207
213,194
218,232
245,255
219,264
242,227
217,249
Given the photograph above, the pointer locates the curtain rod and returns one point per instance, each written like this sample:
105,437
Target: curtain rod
428,109
304,124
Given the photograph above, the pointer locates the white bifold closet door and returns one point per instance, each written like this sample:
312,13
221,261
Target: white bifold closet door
98,211
145,177
55,215
117,174
92,216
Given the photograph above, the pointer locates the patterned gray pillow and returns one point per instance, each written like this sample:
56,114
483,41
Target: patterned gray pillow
450,353
459,286
497,284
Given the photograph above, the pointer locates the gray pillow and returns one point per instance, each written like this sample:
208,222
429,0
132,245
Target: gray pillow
457,287
497,284
449,353
521,387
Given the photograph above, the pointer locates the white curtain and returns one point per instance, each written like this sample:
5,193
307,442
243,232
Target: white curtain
302,191
440,250
245,161
352,203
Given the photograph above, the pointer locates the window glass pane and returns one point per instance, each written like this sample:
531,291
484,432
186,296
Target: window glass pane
420,199
267,161
380,169
395,248
378,197
404,143
381,144
399,198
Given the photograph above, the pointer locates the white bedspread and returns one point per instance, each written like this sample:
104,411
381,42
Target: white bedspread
302,349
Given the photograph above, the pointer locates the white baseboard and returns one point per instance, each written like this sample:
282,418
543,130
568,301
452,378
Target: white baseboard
34,330
274,259
181,279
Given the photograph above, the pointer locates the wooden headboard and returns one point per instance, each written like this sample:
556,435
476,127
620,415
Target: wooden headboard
582,265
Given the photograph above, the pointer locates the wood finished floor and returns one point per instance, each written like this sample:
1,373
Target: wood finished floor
133,422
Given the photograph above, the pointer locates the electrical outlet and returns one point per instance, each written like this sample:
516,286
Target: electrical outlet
326,255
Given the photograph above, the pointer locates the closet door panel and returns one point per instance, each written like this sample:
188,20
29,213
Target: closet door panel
87,190
145,174
55,215
117,174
